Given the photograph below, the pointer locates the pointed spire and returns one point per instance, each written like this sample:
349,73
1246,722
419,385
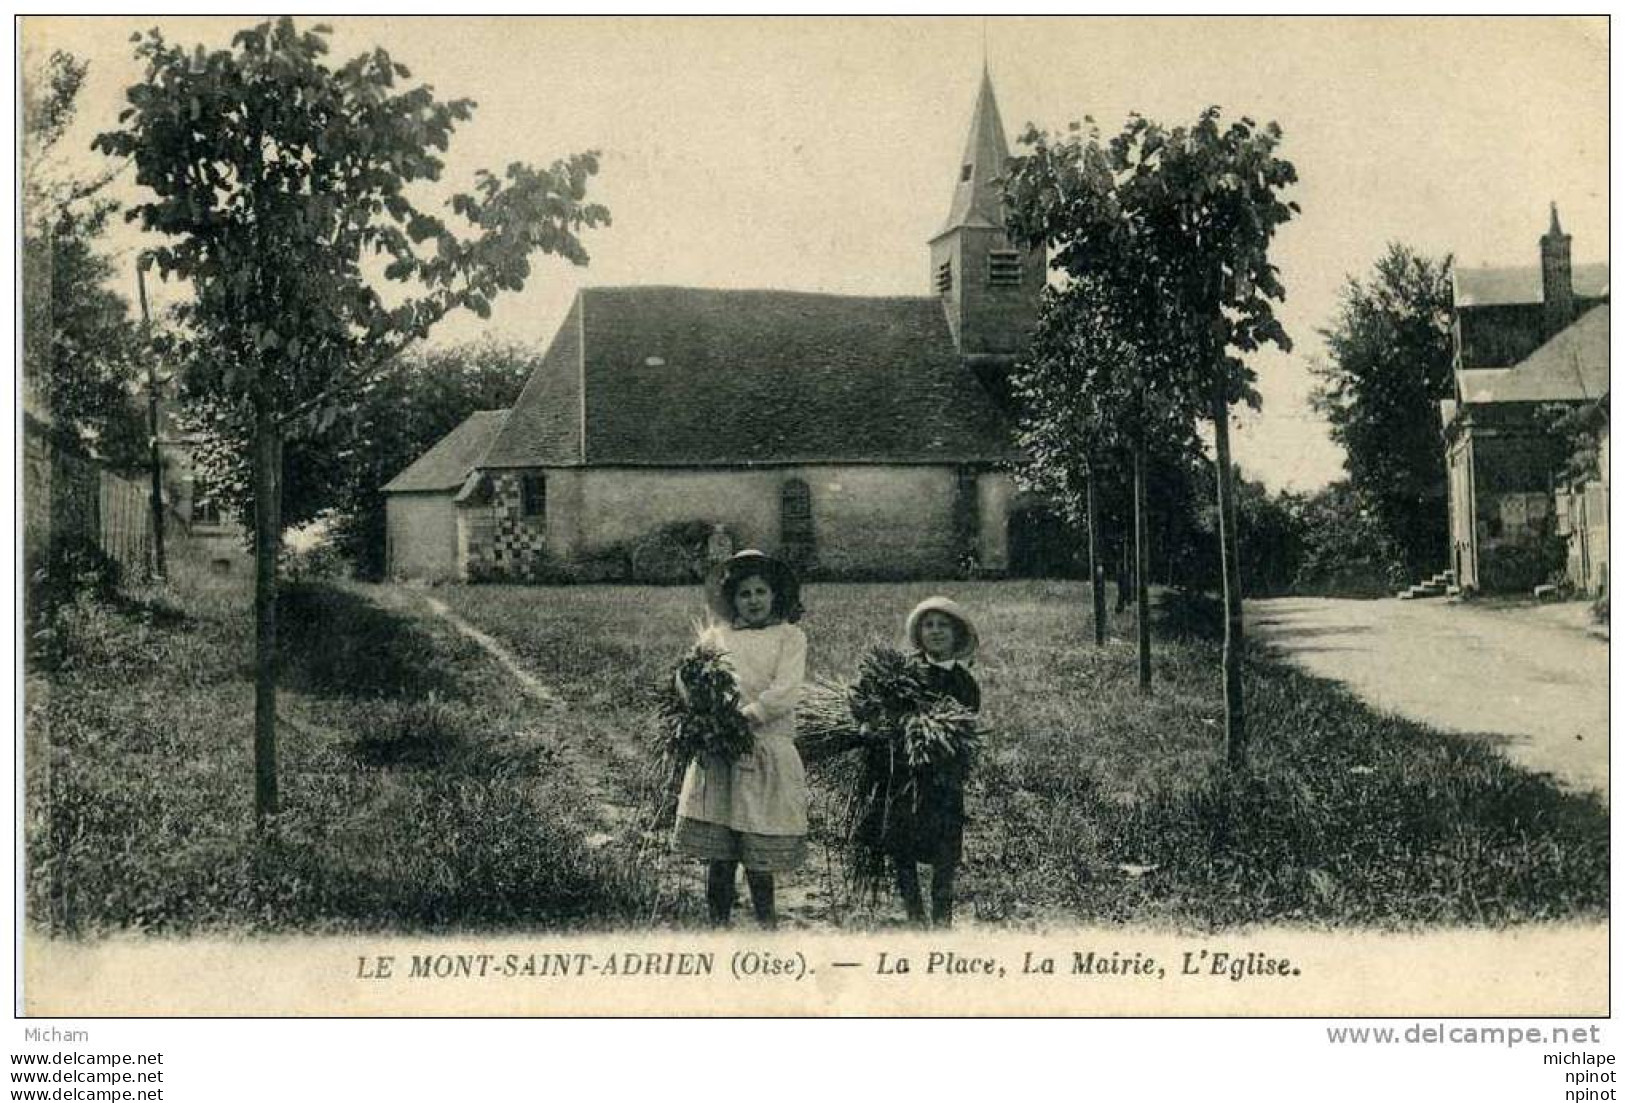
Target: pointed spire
976,199
1556,229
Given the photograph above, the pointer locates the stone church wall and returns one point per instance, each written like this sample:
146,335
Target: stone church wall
867,520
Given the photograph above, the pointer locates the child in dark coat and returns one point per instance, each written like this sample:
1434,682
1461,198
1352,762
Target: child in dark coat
932,830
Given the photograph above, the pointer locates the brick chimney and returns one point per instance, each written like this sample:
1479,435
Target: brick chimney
1556,277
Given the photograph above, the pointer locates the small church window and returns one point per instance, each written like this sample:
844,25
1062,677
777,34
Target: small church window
945,276
533,495
205,508
796,523
1004,268
967,514
964,173
206,511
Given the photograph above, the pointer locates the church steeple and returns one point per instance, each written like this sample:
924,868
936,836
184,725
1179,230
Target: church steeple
989,288
976,199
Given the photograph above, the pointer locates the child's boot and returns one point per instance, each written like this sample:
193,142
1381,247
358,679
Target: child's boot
762,898
908,887
942,895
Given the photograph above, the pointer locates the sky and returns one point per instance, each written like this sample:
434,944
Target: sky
820,154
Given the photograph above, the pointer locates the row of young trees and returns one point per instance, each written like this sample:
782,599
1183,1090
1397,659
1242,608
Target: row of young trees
1163,237
279,185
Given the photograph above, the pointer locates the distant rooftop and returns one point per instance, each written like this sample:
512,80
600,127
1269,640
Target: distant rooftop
1571,367
1521,284
447,464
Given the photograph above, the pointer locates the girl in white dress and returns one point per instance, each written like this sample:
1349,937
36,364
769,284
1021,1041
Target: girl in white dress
752,811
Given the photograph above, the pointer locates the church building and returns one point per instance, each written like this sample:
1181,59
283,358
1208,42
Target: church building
858,436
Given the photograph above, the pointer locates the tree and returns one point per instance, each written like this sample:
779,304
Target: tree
1576,433
1066,439
1178,221
1270,536
80,347
281,183
1390,364
1346,551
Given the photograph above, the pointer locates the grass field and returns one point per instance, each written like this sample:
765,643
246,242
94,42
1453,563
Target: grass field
1345,817
413,798
423,792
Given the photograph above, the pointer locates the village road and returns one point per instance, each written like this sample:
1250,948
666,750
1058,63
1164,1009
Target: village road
1534,683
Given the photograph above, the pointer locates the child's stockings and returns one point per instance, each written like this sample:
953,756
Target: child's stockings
719,892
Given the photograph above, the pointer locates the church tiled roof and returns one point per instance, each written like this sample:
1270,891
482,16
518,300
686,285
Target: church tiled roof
545,426
669,376
447,464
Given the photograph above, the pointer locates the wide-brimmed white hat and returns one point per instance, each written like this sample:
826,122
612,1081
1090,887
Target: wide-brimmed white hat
968,639
779,575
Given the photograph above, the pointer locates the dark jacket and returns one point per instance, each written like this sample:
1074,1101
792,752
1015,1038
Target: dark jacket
955,681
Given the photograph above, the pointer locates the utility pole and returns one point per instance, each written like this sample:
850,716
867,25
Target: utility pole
159,568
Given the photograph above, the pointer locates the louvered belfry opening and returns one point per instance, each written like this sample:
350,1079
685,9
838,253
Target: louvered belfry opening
1004,268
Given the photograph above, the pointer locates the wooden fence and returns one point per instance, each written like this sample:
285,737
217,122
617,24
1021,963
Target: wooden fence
75,500
1582,516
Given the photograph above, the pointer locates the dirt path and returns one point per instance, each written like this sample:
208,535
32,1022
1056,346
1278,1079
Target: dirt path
1531,680
590,761
505,658
802,899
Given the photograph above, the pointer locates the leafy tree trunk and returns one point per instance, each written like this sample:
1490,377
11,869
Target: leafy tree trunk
1125,574
155,460
1142,565
267,540
1097,568
1235,720
154,457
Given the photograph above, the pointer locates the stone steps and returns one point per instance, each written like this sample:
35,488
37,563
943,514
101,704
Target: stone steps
1421,590
1440,585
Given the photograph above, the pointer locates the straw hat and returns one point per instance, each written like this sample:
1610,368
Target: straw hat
967,631
779,575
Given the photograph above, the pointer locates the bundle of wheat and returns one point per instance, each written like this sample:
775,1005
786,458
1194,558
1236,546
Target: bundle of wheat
911,738
699,711
825,727
700,719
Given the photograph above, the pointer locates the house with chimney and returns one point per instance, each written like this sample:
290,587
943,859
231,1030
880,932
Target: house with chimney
1528,343
858,436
